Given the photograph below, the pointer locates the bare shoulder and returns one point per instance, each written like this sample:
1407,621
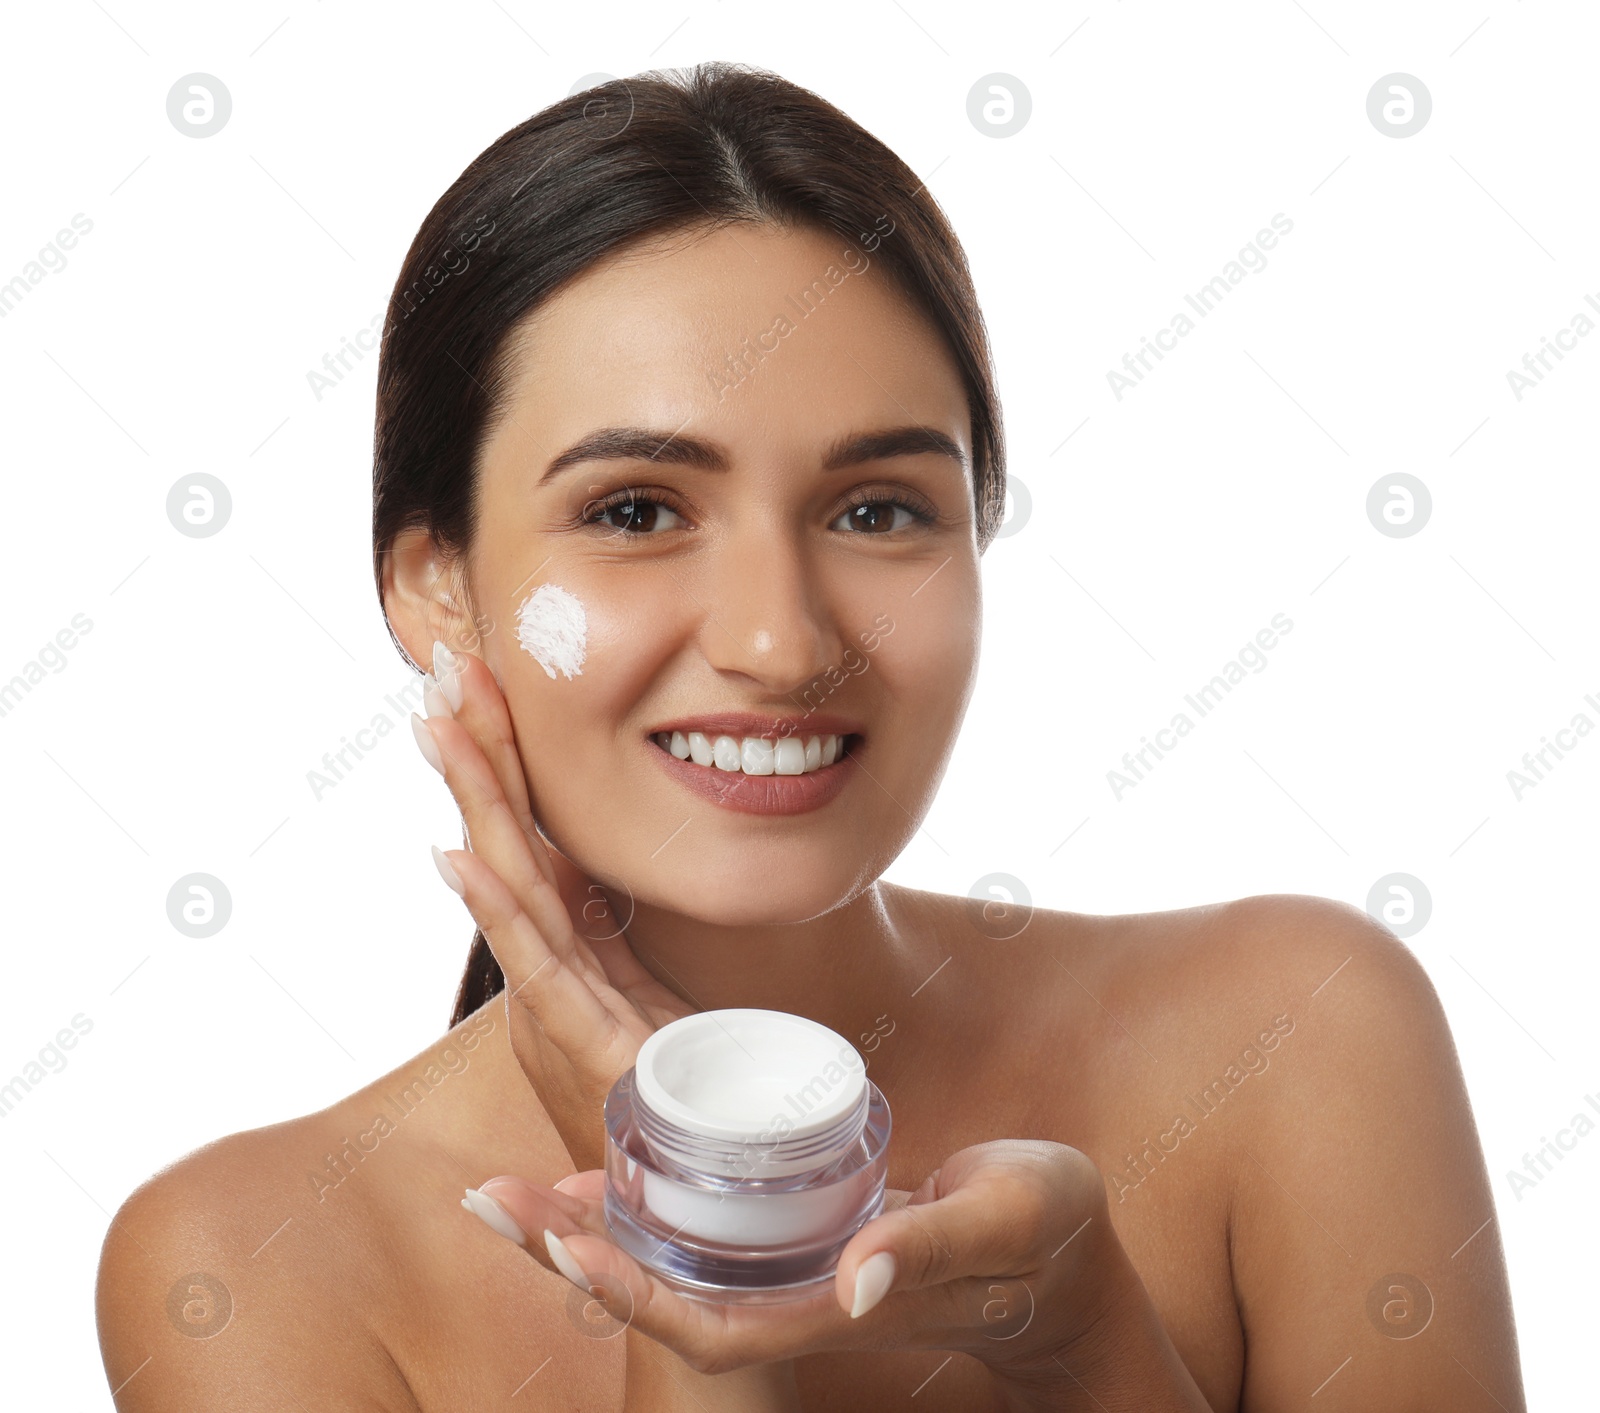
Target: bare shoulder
1206,972
1313,1084
282,1238
1264,955
1293,935
1359,1003
1341,1011
204,1281
338,1236
1360,1201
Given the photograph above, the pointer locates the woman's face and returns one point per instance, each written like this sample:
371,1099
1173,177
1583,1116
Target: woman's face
742,578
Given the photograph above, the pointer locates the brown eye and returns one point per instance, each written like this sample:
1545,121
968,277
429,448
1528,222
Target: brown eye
883,515
631,514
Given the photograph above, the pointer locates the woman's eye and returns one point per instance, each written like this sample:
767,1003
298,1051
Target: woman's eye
637,515
878,517
640,515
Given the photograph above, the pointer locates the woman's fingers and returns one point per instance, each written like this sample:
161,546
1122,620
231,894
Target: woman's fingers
494,834
576,1205
495,837
987,1211
586,901
968,1261
524,1212
484,770
710,1336
513,890
511,847
473,697
587,1186
559,999
628,976
715,1337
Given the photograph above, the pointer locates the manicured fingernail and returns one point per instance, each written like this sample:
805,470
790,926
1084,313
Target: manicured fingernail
494,1216
447,872
425,742
434,702
447,673
564,1260
873,1279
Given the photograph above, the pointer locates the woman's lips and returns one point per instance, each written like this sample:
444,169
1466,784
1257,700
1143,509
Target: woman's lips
763,794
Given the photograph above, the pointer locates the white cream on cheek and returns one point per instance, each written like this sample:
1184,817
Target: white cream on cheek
552,626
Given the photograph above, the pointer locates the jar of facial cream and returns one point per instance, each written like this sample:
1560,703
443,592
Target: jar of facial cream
743,1150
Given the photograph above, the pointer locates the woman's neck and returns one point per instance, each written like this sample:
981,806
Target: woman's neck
842,969
855,970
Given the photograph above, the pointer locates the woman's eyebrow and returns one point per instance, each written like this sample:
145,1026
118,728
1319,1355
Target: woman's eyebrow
646,444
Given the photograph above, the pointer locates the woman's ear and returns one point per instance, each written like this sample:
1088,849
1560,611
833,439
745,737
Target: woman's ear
425,599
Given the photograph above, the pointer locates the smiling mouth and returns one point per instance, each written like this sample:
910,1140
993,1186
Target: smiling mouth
757,755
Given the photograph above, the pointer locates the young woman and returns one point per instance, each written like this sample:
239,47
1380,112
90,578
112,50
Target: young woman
687,451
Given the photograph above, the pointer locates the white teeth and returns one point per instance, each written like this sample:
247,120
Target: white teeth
753,755
789,756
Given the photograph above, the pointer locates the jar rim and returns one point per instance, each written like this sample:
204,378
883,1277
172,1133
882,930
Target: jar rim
734,1074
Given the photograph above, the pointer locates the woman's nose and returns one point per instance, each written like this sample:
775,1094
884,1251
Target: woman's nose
767,614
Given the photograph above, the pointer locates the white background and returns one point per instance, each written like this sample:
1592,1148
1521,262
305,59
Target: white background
1229,486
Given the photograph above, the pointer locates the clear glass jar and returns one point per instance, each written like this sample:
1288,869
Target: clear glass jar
743,1150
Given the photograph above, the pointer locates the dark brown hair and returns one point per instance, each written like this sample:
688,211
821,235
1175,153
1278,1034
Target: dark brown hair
666,150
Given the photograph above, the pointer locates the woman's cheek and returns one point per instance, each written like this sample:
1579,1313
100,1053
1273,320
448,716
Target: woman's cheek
552,627
585,655
581,665
930,654
930,659
588,635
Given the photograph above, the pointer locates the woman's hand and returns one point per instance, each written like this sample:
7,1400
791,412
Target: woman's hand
1005,1252
581,1003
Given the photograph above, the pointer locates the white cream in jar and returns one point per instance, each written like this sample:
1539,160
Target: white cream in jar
744,1149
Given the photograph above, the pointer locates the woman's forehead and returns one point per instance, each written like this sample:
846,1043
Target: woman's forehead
750,334
735,286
